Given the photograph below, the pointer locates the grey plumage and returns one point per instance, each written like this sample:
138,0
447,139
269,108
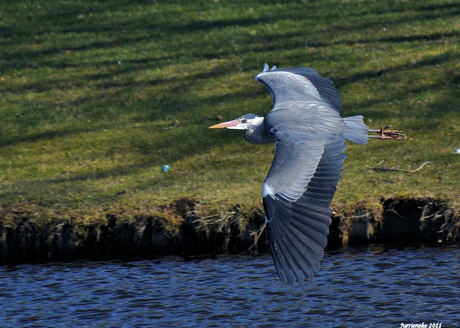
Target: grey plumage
309,134
355,130
310,144
324,86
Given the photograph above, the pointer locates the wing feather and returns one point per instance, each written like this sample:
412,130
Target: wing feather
300,84
298,224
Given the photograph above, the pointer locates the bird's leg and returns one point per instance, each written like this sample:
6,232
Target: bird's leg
384,133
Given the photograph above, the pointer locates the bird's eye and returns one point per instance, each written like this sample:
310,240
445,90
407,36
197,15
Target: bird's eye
244,120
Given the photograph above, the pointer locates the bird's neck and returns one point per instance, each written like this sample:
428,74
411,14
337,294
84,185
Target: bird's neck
259,134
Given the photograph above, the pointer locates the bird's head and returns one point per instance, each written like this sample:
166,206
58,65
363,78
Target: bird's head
245,122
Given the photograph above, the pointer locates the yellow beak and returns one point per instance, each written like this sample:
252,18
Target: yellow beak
225,125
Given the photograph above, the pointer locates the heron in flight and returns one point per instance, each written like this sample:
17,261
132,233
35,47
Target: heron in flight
309,134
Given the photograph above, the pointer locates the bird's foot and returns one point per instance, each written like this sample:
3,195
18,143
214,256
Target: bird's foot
384,133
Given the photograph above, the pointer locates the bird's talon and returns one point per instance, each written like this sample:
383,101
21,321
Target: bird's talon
385,133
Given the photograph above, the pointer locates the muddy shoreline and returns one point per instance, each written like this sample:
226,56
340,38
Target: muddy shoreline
398,222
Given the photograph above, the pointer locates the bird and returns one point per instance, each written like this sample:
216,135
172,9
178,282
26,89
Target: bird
309,135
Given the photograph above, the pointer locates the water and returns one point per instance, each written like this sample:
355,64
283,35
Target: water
367,288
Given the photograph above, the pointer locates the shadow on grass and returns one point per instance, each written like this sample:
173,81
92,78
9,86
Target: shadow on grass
160,31
180,144
149,109
133,65
180,86
432,60
173,99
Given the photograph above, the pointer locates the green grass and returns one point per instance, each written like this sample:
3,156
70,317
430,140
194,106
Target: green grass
95,98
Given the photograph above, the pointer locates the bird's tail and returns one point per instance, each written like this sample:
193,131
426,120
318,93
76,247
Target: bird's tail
355,129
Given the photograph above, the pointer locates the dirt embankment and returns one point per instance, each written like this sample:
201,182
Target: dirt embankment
397,221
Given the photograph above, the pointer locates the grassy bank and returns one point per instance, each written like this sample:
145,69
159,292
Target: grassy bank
96,98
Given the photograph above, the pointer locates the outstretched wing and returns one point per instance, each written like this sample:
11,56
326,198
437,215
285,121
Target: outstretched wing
300,84
297,194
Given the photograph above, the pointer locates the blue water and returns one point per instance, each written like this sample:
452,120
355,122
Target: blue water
376,287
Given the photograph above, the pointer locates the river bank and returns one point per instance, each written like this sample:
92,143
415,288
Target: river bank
397,222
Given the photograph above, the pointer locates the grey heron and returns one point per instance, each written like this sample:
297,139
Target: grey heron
309,134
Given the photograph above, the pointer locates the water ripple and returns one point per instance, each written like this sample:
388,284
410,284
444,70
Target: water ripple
376,288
